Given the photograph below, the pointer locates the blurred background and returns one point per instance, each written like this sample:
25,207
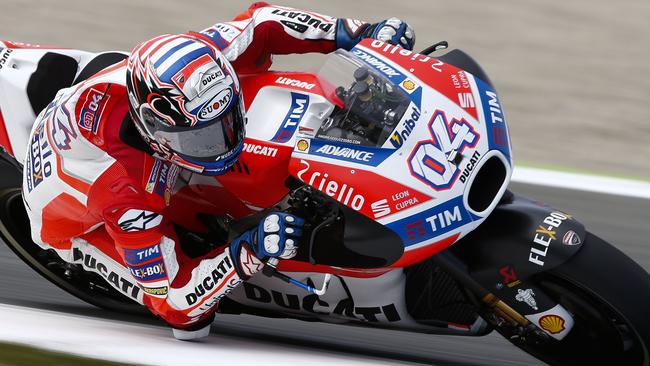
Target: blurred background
572,75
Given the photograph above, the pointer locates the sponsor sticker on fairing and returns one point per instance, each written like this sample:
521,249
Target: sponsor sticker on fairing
432,162
342,192
303,145
258,149
571,238
527,296
431,223
545,234
339,307
350,186
377,64
398,201
408,85
552,323
557,322
4,56
494,118
295,83
299,105
347,152
508,277
405,128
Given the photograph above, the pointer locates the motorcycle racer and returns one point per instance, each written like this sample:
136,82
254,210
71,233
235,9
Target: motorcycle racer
106,154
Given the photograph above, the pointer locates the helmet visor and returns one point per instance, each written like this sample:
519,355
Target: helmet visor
210,141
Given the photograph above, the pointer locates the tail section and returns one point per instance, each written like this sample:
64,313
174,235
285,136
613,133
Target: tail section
20,45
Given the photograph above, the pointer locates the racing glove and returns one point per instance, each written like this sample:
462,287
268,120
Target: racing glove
393,31
349,32
274,237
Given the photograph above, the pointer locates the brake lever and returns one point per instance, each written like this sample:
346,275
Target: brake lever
270,270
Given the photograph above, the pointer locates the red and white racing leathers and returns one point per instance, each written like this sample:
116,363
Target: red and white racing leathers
102,203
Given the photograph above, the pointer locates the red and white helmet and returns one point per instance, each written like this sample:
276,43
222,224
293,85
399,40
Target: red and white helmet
185,100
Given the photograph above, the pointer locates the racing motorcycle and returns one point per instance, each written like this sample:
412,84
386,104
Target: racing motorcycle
400,163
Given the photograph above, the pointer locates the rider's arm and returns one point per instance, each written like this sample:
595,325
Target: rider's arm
185,291
264,30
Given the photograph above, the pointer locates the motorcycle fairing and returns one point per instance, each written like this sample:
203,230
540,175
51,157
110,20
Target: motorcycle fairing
378,301
527,235
450,135
277,112
399,65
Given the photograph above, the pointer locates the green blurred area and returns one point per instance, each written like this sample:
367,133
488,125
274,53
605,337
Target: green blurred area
18,355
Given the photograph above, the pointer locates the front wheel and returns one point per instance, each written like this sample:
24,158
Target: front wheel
608,295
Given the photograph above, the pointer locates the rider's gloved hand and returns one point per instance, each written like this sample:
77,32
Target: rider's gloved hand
274,237
393,31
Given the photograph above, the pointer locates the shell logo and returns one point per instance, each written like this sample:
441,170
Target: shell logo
408,85
168,196
552,323
302,145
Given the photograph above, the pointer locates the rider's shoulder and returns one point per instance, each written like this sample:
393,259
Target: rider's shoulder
84,121
96,101
93,109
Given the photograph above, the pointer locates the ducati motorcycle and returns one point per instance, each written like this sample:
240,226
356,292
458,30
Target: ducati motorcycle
400,164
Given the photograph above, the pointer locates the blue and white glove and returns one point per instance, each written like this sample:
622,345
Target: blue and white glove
349,32
394,31
274,237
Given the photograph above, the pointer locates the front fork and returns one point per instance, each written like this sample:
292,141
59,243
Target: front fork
524,322
499,260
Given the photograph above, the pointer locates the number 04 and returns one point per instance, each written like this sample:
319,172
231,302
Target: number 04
429,161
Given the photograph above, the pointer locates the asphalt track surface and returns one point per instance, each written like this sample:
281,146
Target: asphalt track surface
620,220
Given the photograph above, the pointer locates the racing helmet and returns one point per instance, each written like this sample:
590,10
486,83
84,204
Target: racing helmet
185,100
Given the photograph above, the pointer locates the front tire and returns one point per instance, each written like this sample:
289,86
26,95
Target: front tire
608,295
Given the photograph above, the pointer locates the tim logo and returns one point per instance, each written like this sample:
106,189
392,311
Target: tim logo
434,161
299,104
93,107
138,256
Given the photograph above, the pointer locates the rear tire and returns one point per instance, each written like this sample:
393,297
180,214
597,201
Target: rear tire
608,295
16,234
